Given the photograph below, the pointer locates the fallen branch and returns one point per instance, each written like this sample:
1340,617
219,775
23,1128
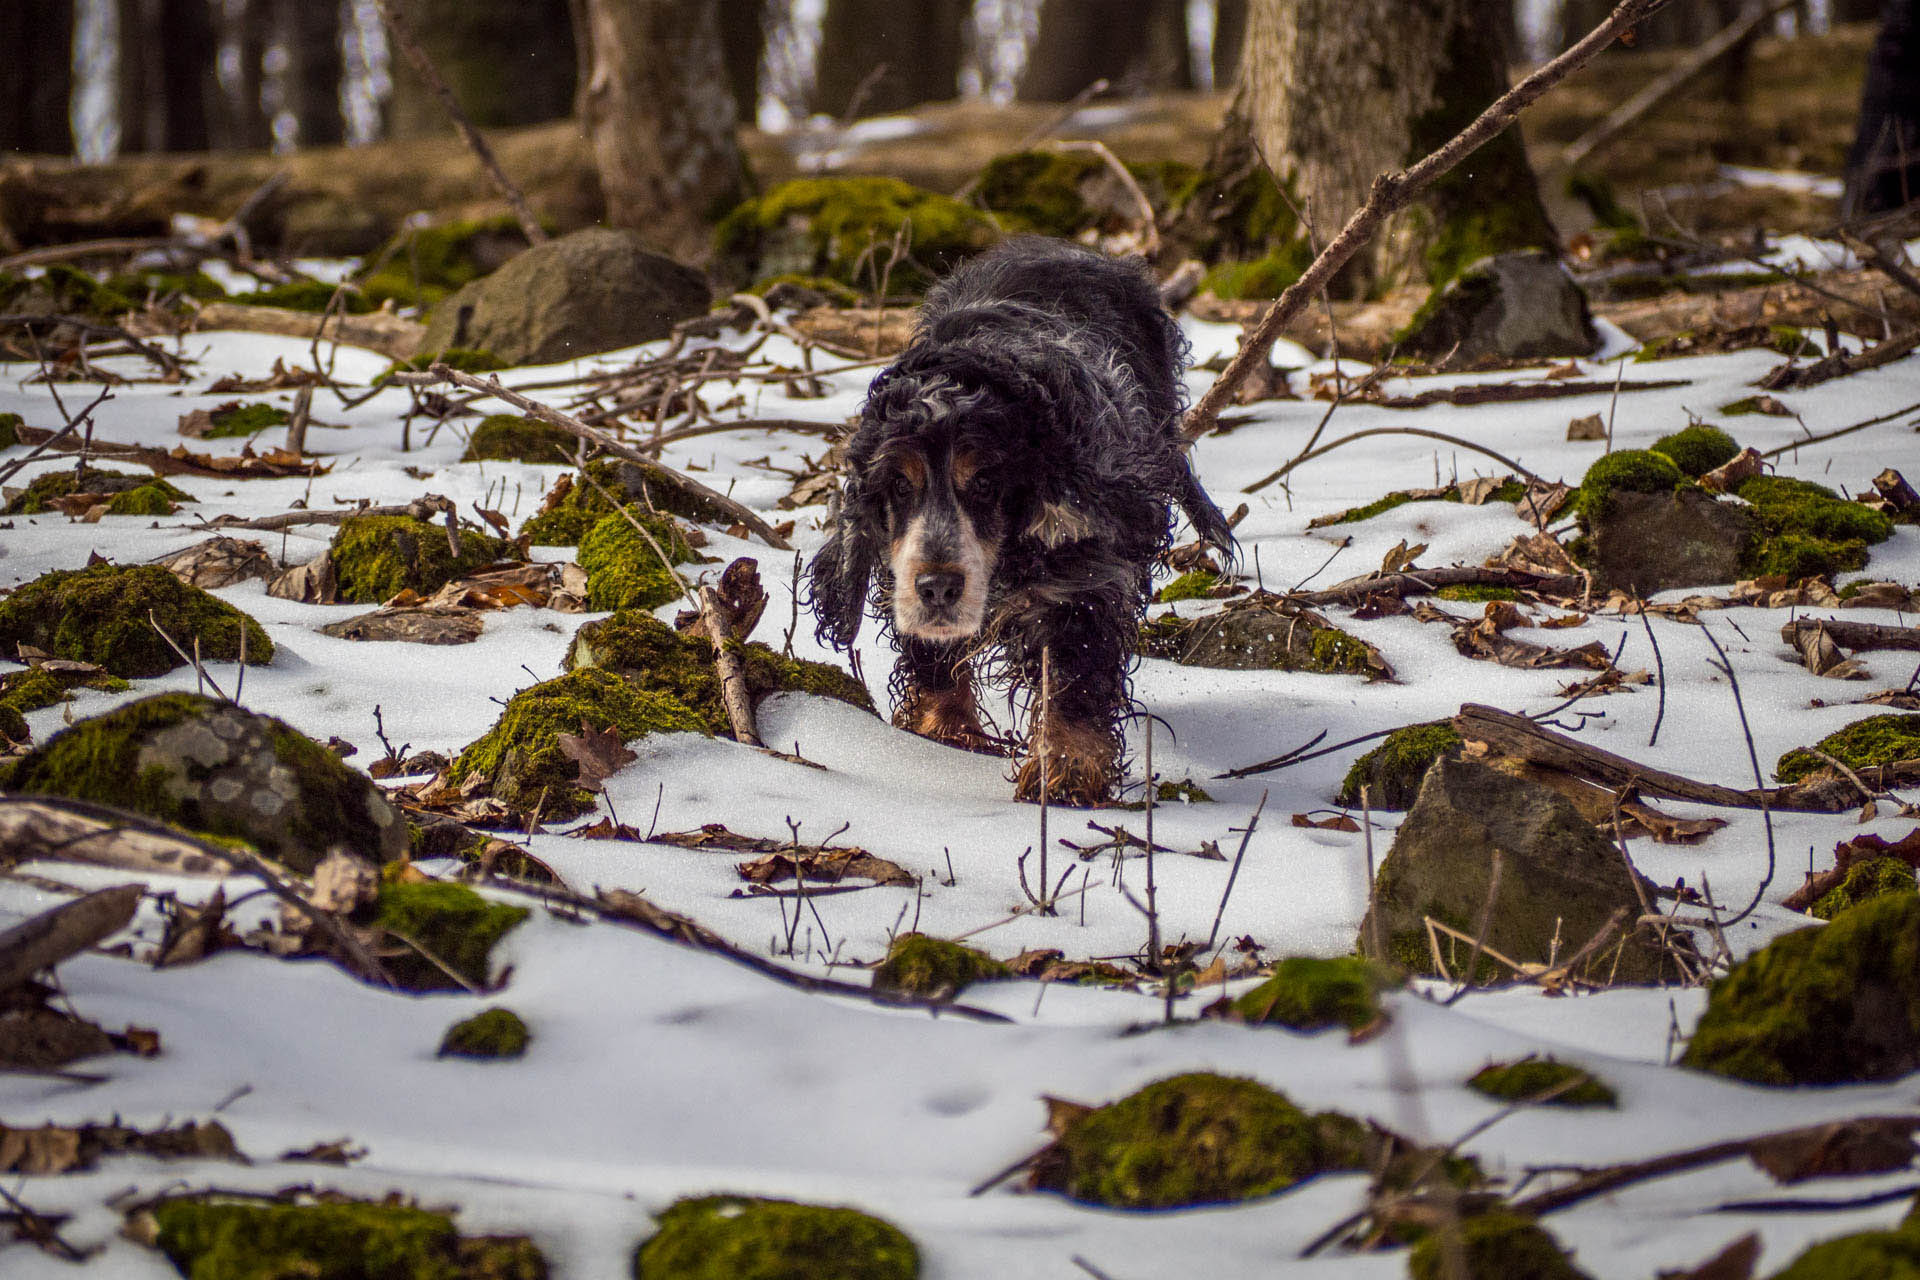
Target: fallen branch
1791,376
1510,392
1329,447
392,336
1392,192
31,830
656,471
68,929
717,620
422,509
1843,431
1418,582
1853,635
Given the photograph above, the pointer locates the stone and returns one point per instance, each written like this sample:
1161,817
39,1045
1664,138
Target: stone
1648,542
1511,306
431,625
595,290
1560,878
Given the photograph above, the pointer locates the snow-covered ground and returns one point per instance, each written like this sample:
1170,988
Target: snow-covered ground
657,1072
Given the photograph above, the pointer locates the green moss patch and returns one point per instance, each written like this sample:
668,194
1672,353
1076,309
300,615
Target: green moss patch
509,437
103,615
1496,1245
147,500
1257,634
496,1033
310,295
1266,276
1309,994
10,424
166,288
574,505
1794,1011
1510,490
1529,1078
833,226
918,965
1059,193
451,922
38,496
76,292
1698,449
1634,470
1783,338
1862,1255
422,265
624,570
1876,740
1476,593
1870,878
238,419
748,1238
1808,530
1196,584
377,557
1392,771
209,1238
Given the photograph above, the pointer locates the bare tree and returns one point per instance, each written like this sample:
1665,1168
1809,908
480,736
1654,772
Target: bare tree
1339,91
1229,34
882,56
310,33
743,43
1136,45
245,28
655,102
36,78
508,62
166,82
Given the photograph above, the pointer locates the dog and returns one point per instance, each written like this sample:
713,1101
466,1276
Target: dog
1006,490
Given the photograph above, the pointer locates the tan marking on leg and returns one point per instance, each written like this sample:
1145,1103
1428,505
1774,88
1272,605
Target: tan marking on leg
947,716
1081,762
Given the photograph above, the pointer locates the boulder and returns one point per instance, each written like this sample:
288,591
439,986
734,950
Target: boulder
1648,542
1511,306
220,770
595,290
1561,880
1259,633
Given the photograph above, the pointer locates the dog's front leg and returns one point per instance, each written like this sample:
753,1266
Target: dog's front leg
1074,737
933,683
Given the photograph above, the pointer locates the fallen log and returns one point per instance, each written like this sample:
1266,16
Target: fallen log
30,829
1418,582
70,928
1791,376
1853,635
392,336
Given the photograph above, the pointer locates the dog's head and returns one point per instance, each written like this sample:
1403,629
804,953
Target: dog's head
927,502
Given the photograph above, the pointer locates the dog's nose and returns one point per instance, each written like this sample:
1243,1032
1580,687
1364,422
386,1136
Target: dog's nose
940,588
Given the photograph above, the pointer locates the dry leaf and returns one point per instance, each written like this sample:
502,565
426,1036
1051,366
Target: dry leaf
1338,822
1591,427
600,753
343,883
826,865
311,583
1844,1149
1401,556
1742,467
1061,1113
1503,615
195,932
1735,1262
1823,657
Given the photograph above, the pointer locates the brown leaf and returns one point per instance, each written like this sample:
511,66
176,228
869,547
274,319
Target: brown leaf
600,753
1479,490
1503,615
1642,818
825,865
1727,477
1823,657
1337,822
49,1149
494,518
311,583
437,625
281,379
141,1041
340,1151
1735,1262
195,932
1843,1149
606,829
1401,557
1591,427
1061,1113
219,562
1535,553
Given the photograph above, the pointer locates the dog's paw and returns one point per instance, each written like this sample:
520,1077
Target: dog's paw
1080,764
949,717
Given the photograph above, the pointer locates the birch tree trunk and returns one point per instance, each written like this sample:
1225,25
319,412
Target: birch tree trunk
1342,90
658,111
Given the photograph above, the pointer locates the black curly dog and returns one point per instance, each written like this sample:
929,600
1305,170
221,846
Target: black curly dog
1009,484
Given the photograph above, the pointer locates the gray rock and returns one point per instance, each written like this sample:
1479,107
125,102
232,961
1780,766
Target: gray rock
1648,542
1561,879
1512,306
595,290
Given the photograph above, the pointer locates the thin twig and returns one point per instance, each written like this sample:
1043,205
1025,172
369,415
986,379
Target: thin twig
1759,780
1441,436
1246,835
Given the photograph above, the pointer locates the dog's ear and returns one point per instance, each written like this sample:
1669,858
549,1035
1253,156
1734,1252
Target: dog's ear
841,572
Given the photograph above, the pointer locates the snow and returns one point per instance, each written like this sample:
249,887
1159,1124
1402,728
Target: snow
657,1072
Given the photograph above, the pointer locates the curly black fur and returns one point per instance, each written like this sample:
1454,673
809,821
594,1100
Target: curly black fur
1055,373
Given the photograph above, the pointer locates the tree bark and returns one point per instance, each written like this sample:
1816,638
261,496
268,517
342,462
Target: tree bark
743,42
137,77
240,123
310,32
187,78
658,112
508,62
36,77
1138,46
1229,36
1343,90
1883,168
890,54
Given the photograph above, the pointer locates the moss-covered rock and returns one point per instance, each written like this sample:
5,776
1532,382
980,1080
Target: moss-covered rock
209,1238
1262,634
422,265
1808,530
36,687
1065,193
220,770
749,1238
495,1033
573,506
1861,1255
832,226
1831,1004
1698,449
1266,276
1507,306
623,567
233,420
452,923
10,424
104,614
511,437
1195,584
1530,1077
1869,878
1392,771
310,295
147,500
38,496
377,557
1632,470
1496,1245
918,965
1864,744
74,292
1309,994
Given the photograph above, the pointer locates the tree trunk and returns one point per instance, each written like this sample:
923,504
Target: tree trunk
889,54
137,77
743,42
187,79
1138,46
1229,36
507,61
1883,168
310,31
657,110
240,123
36,78
1856,10
1343,90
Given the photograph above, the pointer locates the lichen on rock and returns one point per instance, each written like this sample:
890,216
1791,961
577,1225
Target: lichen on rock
105,615
750,1238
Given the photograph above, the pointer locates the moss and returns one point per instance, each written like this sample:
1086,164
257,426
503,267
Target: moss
836,294
1876,740
1698,449
1195,584
1862,1255
495,1033
246,420
76,292
1530,1077
1476,593
769,672
1260,638
918,965
1787,1014
1870,878
1309,994
310,295
1497,1245
103,615
521,754
1596,192
1264,277
13,728
454,924
422,265
10,424
827,226
31,690
1634,470
147,500
748,1238
1185,791
1742,407
1336,652
38,496
1509,490
1039,191
624,569
377,557
465,359
212,1239
509,437
1808,530
166,287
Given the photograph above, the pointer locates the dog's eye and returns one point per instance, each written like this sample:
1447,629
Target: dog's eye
899,488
